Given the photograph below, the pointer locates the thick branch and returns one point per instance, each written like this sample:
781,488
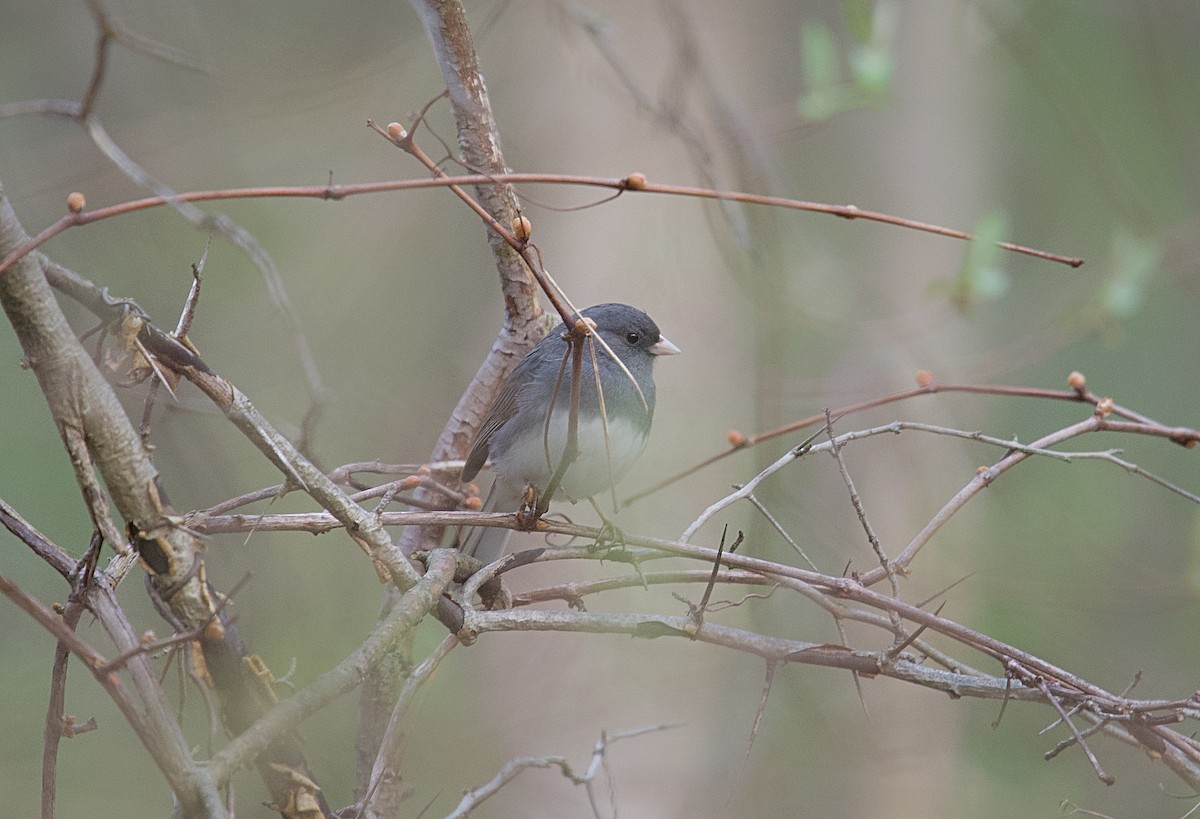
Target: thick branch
479,141
96,429
283,718
478,138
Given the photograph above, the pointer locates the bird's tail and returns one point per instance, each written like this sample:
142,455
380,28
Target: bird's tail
487,542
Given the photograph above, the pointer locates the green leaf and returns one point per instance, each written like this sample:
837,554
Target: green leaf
1134,261
860,19
990,229
820,57
981,277
823,97
872,61
872,69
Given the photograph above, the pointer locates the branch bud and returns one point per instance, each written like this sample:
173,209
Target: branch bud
522,229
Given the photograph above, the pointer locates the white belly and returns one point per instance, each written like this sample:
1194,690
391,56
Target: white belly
594,471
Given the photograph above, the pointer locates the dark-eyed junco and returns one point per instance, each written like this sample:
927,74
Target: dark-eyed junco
526,450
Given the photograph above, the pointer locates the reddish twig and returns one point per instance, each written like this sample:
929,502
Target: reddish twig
1184,436
633,182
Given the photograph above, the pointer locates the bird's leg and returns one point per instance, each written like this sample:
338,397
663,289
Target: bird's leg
610,534
533,506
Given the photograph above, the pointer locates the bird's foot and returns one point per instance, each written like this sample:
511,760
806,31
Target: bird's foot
610,536
531,510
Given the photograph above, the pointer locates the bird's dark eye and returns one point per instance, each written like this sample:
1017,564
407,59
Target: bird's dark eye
633,337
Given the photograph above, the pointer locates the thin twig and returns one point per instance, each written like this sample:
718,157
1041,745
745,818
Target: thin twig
778,527
1105,777
835,449
285,716
747,489
57,724
1181,435
388,760
514,767
336,192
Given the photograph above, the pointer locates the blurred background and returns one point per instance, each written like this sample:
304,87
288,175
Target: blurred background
1069,126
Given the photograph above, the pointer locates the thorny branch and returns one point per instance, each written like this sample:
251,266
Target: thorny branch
113,31
1140,722
514,767
844,598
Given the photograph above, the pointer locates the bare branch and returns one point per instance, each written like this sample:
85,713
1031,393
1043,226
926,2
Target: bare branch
514,767
388,761
288,714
